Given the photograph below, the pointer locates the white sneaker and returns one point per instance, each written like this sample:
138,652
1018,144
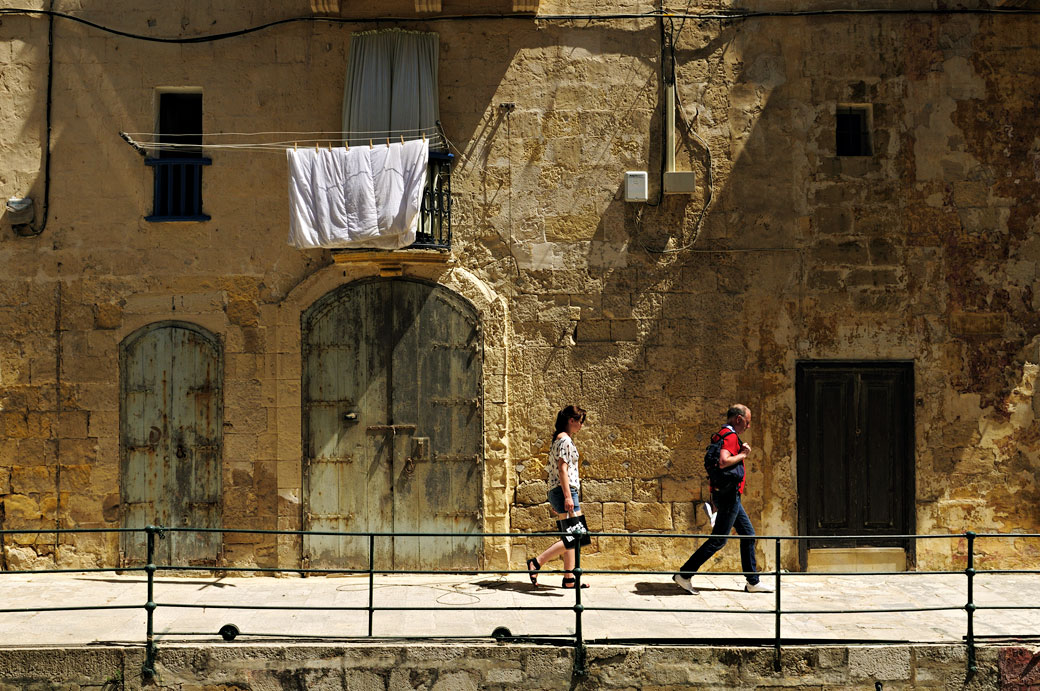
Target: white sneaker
684,583
757,588
711,514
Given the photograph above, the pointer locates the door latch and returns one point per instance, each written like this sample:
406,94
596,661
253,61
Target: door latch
350,417
420,452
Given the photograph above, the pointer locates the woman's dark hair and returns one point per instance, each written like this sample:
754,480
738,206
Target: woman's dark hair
571,412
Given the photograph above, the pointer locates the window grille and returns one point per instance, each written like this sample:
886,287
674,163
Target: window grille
177,194
178,189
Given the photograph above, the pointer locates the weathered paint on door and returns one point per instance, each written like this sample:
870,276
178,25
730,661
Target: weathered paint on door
392,425
171,410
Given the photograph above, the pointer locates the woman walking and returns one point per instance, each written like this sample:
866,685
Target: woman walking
563,489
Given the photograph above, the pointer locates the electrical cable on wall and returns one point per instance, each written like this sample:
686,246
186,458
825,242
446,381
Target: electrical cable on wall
669,47
31,230
721,16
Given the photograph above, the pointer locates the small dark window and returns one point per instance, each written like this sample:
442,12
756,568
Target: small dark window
178,166
852,131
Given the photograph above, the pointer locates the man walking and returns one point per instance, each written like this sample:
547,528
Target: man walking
726,478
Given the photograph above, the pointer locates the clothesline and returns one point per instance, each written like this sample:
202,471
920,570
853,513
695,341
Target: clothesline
338,133
325,139
279,146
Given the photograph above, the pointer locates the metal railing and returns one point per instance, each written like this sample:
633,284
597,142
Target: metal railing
177,194
577,639
434,230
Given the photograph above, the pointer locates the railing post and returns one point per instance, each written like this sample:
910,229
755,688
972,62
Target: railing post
579,640
150,653
970,606
776,565
371,577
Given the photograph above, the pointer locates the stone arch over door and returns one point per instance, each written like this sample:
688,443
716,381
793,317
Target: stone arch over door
392,425
171,440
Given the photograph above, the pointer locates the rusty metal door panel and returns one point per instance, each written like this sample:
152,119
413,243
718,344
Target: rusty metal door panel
437,360
171,440
346,483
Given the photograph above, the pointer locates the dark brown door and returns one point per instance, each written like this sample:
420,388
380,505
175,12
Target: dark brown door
855,452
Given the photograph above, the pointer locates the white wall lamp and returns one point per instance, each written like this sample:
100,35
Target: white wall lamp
20,213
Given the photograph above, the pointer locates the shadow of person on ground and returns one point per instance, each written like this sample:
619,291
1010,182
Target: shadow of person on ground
519,587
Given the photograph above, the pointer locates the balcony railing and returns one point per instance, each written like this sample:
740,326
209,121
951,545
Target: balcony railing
434,230
178,189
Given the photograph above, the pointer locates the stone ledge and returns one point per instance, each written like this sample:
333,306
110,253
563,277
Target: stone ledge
392,263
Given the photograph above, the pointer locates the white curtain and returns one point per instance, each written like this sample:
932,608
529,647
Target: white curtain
391,86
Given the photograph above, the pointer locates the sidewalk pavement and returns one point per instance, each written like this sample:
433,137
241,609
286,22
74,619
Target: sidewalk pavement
460,595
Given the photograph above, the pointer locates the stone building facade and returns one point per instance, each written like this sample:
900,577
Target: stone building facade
788,267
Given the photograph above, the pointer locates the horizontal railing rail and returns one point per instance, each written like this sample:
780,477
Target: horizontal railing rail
577,638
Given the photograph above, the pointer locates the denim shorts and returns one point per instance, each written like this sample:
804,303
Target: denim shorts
556,499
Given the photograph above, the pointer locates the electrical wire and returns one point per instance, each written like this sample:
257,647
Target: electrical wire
721,16
33,230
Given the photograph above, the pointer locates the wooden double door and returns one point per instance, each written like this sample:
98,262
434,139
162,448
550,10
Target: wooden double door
171,438
392,426
855,453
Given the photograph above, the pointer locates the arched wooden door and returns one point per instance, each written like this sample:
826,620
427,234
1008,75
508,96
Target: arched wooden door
170,422
392,425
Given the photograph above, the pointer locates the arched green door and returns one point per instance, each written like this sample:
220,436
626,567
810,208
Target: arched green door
170,421
392,425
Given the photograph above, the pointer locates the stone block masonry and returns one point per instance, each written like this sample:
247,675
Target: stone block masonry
655,317
479,665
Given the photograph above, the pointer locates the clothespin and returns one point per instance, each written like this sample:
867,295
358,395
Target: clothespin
402,139
294,148
424,137
330,146
346,145
388,141
315,147
370,143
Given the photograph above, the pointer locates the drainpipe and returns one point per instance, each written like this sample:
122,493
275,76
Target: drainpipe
673,181
669,126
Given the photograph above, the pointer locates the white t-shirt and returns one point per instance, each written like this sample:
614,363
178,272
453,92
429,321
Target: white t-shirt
563,448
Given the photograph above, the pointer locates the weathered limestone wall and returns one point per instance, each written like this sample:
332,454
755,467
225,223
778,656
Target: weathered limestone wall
646,315
483,666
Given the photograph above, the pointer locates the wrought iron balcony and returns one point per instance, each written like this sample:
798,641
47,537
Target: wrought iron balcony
434,231
178,189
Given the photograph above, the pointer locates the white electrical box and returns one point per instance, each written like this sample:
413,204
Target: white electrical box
635,186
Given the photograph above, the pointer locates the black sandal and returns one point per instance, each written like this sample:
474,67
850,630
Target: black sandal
532,570
569,583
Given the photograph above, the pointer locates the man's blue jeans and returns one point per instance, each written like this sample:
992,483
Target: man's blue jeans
731,515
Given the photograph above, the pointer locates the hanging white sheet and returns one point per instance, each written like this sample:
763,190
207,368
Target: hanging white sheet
361,197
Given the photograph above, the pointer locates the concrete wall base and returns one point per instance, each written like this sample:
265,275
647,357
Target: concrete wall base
479,665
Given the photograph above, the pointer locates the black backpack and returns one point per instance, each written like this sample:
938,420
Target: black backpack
721,478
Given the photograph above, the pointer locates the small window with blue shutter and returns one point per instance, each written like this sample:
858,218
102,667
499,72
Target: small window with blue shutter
178,159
